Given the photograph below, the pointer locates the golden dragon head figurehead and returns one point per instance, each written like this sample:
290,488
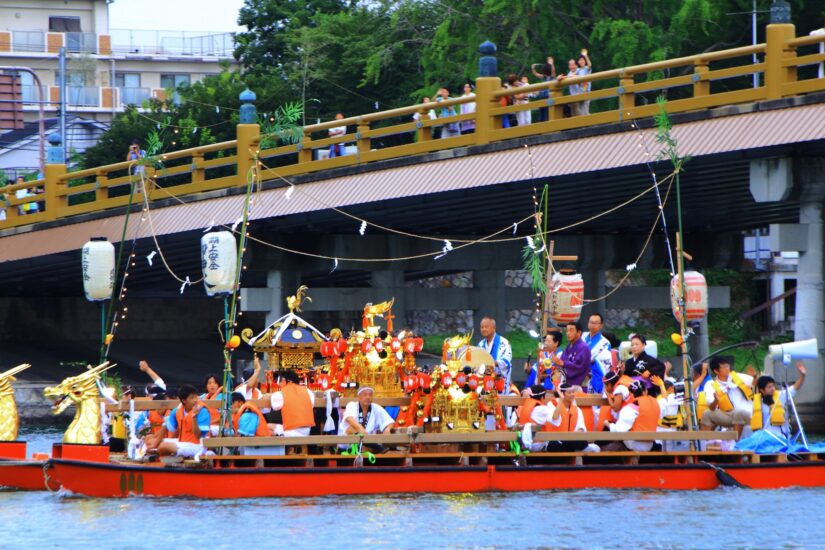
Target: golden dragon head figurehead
371,311
6,378
76,389
454,345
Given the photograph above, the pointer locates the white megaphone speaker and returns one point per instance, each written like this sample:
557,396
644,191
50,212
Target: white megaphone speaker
804,349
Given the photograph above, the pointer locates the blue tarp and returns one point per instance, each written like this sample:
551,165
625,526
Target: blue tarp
763,442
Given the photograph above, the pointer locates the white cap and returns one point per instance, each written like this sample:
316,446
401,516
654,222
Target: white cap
364,388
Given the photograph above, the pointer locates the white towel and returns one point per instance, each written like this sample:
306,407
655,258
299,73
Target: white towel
332,401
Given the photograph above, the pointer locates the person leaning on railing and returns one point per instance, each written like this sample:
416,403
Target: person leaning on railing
468,126
546,72
3,201
450,129
29,207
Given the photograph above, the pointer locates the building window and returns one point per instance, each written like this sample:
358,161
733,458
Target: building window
130,91
127,80
64,24
173,81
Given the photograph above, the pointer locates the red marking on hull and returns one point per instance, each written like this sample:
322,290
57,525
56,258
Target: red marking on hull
107,480
26,477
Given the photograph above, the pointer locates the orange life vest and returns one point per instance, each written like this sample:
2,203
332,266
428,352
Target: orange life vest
569,418
156,421
526,409
263,428
648,418
185,422
589,418
606,410
214,413
297,411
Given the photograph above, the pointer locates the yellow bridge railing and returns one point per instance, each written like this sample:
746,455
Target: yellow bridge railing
625,94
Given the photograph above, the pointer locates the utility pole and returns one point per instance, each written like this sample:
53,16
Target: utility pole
63,100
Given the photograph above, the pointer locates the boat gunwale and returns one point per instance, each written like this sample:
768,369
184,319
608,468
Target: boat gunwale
429,468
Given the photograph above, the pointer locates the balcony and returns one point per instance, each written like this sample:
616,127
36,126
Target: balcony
134,96
120,41
84,96
89,98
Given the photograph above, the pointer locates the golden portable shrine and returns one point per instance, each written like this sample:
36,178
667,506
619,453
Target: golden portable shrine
373,356
458,395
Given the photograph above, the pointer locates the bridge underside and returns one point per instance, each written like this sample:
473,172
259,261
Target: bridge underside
715,200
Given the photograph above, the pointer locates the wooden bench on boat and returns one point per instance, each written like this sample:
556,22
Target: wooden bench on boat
466,449
320,402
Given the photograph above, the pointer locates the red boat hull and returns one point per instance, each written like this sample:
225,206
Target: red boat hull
113,480
26,477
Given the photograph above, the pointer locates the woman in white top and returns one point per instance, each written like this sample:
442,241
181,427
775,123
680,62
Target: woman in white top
468,126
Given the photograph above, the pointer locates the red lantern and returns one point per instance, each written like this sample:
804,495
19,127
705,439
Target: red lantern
564,301
409,345
489,383
366,346
472,381
461,379
378,344
424,380
395,345
446,380
410,383
696,296
341,346
419,344
500,384
323,381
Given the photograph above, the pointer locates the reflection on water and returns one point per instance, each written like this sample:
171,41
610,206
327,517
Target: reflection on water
587,518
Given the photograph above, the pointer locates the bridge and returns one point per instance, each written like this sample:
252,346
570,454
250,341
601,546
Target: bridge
756,160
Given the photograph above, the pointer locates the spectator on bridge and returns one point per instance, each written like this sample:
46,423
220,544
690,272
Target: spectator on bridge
546,72
524,118
429,114
574,89
135,155
3,201
30,207
337,149
451,129
584,68
468,126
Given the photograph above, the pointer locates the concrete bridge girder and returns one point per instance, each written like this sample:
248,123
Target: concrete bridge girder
802,178
595,252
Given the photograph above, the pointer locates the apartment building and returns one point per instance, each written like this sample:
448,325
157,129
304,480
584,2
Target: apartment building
106,68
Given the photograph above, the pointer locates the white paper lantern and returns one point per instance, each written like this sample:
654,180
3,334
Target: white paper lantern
98,258
219,260
696,296
565,298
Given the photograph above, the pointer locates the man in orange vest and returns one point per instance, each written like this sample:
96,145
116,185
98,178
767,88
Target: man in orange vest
296,403
642,415
247,419
189,421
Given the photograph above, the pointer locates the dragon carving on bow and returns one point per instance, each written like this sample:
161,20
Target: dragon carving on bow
82,390
9,420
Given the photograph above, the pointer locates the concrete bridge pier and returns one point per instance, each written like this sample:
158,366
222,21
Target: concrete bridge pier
810,288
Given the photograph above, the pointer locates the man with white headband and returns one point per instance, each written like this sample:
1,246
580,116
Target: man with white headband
364,416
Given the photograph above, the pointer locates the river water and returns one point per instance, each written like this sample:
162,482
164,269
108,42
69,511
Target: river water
725,518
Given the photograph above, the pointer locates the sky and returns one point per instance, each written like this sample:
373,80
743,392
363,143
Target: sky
181,15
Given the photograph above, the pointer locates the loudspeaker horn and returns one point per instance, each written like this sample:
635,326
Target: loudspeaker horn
803,349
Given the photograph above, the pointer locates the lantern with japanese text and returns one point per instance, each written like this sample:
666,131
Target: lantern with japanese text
219,261
98,259
565,298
